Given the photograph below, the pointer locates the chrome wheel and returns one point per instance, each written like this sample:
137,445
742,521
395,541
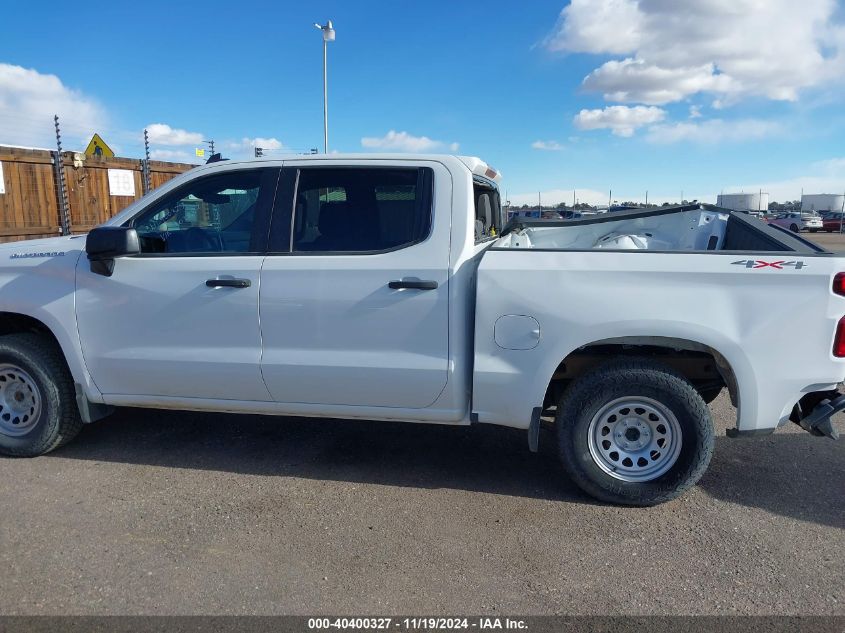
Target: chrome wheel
634,439
20,401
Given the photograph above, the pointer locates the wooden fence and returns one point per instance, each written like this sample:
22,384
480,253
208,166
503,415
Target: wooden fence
31,205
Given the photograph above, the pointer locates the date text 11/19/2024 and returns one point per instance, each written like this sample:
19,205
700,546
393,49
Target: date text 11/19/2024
417,623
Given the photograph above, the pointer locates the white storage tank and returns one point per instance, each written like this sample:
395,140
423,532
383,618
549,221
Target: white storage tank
822,202
744,201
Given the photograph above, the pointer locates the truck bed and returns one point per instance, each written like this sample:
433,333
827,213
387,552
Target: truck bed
694,227
693,277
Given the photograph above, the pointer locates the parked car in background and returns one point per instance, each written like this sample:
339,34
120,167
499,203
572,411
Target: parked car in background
833,222
796,222
569,214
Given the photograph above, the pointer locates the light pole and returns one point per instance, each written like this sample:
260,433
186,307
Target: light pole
328,36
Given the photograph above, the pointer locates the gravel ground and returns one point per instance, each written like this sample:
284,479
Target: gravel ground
187,513
831,241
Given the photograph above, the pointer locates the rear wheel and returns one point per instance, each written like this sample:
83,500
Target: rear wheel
634,432
38,411
793,228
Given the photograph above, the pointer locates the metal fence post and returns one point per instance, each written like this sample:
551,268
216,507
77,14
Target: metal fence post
61,185
145,164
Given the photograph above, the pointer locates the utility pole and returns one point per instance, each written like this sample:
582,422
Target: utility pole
646,197
841,211
211,144
328,36
540,203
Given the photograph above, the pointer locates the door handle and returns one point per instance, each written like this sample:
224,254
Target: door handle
228,283
414,284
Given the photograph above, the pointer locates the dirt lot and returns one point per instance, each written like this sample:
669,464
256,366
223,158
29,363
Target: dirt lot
831,241
153,512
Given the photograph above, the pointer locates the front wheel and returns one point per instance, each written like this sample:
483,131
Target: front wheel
38,410
634,432
793,228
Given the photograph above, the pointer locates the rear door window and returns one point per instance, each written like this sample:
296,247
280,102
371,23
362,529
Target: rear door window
361,210
488,210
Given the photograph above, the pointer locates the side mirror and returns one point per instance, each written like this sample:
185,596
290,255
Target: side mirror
104,243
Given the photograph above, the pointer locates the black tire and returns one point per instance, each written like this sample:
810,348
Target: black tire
794,228
813,230
58,421
587,396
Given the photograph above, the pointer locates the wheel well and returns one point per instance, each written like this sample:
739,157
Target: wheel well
12,323
703,366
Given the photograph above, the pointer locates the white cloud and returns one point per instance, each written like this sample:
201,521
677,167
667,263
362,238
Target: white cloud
552,146
163,134
245,148
694,112
264,143
404,142
728,48
174,155
713,131
28,101
635,81
621,120
587,26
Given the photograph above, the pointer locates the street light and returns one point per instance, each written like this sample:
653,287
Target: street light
328,36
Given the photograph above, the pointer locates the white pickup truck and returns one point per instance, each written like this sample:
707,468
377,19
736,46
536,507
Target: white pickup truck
388,287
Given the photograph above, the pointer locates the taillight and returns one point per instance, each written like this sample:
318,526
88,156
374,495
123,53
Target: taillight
839,339
839,284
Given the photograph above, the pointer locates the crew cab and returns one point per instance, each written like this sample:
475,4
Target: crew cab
388,287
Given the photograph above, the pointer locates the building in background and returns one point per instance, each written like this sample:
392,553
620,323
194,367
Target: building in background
822,202
751,202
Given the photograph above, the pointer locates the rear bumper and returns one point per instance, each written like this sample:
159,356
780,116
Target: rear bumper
814,411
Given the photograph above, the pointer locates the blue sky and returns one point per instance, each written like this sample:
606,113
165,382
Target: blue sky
634,96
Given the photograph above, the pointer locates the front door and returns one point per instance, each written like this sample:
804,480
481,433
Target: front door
181,318
354,300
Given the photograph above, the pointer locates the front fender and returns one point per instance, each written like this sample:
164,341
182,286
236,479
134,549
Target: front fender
43,288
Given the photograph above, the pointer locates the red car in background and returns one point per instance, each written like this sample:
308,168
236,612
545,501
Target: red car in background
834,222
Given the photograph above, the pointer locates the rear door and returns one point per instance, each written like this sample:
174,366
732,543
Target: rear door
354,291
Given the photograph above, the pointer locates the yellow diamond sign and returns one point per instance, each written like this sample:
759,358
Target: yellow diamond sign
98,147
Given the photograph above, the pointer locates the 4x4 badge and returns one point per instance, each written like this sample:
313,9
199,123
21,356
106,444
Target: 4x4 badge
761,263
